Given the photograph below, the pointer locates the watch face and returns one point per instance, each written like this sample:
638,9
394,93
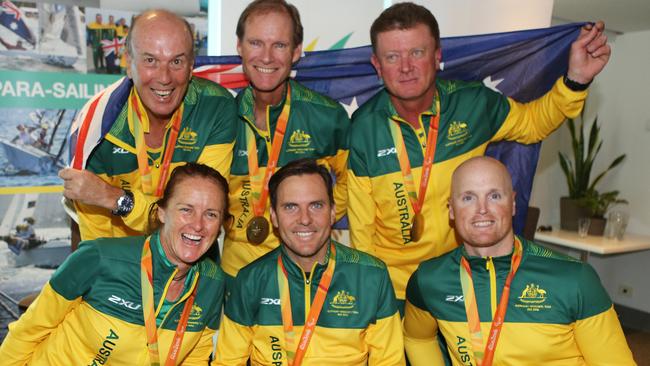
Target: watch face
124,204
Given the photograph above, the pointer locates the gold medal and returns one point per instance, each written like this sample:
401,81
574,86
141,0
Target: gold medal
257,230
417,227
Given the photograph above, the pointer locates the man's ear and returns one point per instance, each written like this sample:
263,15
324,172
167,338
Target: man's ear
438,58
274,217
375,62
297,52
128,65
451,210
239,47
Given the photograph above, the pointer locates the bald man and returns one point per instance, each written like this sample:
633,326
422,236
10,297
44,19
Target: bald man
166,110
534,305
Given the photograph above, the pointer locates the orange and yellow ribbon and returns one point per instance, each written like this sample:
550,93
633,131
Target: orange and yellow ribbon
259,182
417,199
485,356
146,283
139,123
295,357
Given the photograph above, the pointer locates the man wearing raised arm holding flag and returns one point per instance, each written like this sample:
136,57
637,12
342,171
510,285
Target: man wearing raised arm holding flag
407,139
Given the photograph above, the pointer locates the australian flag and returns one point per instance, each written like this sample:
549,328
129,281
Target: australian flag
12,18
523,65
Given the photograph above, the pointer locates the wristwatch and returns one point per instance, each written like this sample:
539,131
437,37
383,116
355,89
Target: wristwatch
124,204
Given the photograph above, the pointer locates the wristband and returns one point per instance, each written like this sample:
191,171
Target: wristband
574,85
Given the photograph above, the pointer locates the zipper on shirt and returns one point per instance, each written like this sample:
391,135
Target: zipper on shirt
308,281
489,266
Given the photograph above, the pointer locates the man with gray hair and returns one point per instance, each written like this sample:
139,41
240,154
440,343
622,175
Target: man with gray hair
166,118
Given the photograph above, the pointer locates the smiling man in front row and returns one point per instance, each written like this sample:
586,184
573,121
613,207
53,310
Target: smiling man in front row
535,306
350,317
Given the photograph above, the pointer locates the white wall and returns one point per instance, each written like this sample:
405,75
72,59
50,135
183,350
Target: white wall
470,17
329,21
324,21
620,97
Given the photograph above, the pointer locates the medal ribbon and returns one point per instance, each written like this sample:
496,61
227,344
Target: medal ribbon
146,283
295,358
417,200
484,358
259,182
139,122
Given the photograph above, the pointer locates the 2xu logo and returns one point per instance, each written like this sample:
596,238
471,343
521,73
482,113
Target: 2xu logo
454,298
269,301
119,301
386,152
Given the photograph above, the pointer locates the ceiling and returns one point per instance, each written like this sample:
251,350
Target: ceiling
620,16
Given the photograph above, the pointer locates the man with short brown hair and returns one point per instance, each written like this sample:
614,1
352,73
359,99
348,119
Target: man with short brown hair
312,301
407,139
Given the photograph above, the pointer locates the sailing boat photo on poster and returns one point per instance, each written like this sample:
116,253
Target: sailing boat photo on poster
42,37
33,144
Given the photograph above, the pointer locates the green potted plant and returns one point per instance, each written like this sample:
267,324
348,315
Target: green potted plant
597,204
584,200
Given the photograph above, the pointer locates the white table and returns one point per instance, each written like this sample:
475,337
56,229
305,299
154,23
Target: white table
594,244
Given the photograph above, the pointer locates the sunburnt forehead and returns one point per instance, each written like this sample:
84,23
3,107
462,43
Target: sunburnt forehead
481,175
158,55
405,39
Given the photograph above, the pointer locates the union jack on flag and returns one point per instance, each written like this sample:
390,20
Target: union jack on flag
112,45
11,18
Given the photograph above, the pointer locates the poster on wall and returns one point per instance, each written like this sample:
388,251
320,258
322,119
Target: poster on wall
42,37
106,32
36,111
49,68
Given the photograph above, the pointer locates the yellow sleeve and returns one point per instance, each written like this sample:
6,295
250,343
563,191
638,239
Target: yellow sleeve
234,343
218,157
361,213
138,218
93,221
200,355
531,122
42,317
385,342
421,337
601,340
339,164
